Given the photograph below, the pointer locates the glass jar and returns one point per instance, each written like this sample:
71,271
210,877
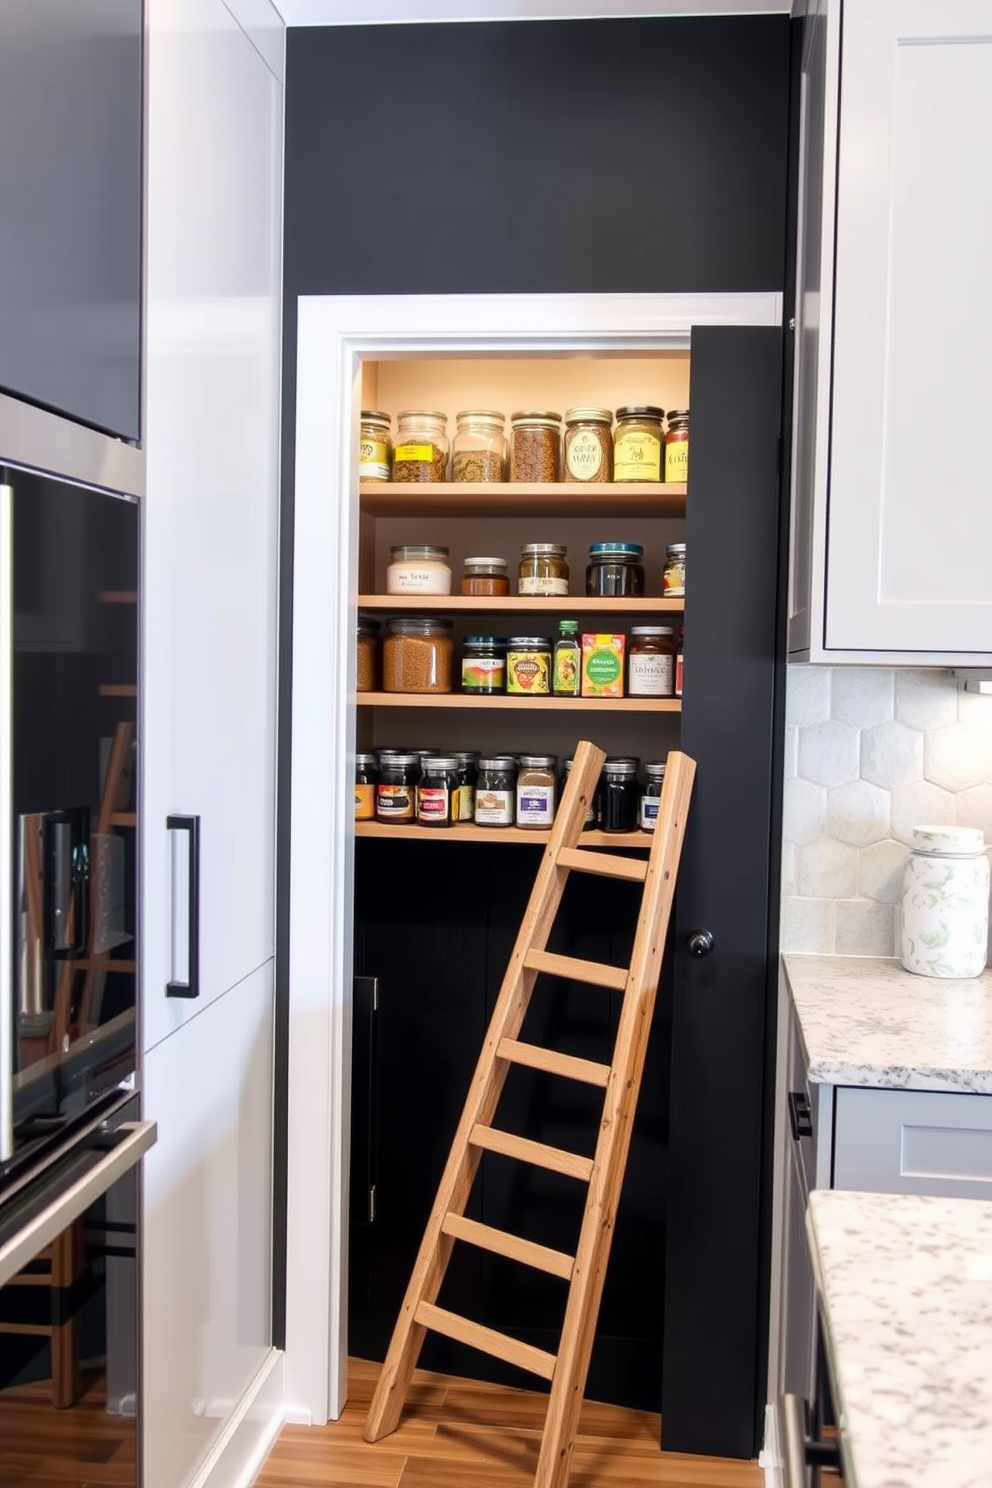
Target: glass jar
615,569
495,792
528,666
367,662
478,450
567,660
673,585
651,661
637,443
485,578
375,447
421,449
417,655
651,795
588,444
437,792
678,663
366,780
536,791
620,795
395,793
543,569
483,664
592,811
418,568
677,446
535,447
467,764
945,903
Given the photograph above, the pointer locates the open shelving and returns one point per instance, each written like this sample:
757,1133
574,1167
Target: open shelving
518,604
518,499
527,836
515,702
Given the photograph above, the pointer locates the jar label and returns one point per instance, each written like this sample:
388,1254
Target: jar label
483,673
584,456
364,802
652,674
406,578
677,460
494,808
602,665
535,805
649,812
678,675
542,586
567,671
466,803
435,802
527,672
373,460
424,452
394,803
637,457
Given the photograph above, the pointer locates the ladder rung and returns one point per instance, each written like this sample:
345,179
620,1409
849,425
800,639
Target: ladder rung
607,865
500,1345
553,1158
541,1257
553,1063
596,972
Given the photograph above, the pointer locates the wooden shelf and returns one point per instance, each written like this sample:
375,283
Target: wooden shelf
466,832
518,604
499,701
124,819
506,499
118,690
118,596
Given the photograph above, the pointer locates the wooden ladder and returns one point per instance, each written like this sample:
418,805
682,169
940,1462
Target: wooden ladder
621,1080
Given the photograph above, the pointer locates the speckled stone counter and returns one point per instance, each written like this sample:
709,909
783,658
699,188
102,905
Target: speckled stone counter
865,1021
905,1288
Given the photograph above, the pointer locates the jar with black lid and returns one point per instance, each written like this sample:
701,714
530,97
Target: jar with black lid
651,661
616,569
483,665
651,794
395,794
366,780
619,795
495,791
637,443
467,764
437,793
592,812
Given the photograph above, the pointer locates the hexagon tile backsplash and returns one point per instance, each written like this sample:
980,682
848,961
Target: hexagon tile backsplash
870,754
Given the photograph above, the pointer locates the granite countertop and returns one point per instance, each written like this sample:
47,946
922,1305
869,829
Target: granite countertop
905,1287
865,1021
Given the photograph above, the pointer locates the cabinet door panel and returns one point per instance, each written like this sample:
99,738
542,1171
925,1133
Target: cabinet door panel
912,1141
908,556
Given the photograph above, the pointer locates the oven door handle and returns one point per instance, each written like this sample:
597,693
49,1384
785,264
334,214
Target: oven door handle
135,1138
6,824
799,1453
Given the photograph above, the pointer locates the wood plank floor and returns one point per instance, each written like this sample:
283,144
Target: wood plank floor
78,1448
469,1435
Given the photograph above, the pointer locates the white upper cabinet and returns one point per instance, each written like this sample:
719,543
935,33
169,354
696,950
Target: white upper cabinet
891,503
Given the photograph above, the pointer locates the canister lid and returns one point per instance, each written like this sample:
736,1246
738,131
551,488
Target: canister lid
440,762
678,415
397,759
620,767
484,562
372,416
958,841
497,762
528,643
621,549
414,625
430,551
538,761
640,410
535,416
652,630
675,550
588,415
656,767
543,550
490,415
490,641
365,759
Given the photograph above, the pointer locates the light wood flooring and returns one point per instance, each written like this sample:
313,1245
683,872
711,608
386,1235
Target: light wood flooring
81,1447
469,1435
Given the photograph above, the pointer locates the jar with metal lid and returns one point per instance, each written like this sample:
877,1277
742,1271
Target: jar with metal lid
495,791
421,449
588,444
437,792
485,578
619,795
528,666
483,664
567,660
367,660
677,446
375,448
467,764
654,771
615,569
366,780
395,793
637,443
543,569
535,447
651,661
673,586
417,655
418,568
536,790
592,811
478,450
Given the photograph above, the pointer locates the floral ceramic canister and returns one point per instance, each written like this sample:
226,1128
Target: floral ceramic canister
945,903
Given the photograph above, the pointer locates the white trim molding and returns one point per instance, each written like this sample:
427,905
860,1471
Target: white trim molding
249,1433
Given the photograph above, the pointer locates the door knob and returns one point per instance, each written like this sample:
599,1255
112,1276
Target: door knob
699,943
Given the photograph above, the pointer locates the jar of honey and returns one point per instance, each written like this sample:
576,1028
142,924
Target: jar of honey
677,446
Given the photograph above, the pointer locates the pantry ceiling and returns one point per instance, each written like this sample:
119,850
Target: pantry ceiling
375,12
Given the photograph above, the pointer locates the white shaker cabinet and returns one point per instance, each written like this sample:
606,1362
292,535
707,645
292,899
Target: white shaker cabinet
891,521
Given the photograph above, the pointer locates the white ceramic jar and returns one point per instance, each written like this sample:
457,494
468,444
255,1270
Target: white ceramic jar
418,568
945,903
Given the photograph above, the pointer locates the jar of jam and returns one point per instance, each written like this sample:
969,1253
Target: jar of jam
467,763
543,569
495,792
483,664
677,446
418,568
375,450
615,569
535,447
437,793
478,450
651,794
619,795
366,780
592,811
588,444
395,793
536,791
485,578
674,578
528,666
651,661
637,443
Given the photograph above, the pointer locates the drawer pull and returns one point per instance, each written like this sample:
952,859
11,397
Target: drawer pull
800,1115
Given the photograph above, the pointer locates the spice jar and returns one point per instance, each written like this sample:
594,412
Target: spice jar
485,578
651,664
945,903
592,811
467,764
619,795
367,663
677,446
395,794
673,586
543,569
637,443
536,790
366,779
615,569
418,568
651,795
421,449
375,448
528,666
416,655
483,664
437,792
478,450
535,447
588,444
495,792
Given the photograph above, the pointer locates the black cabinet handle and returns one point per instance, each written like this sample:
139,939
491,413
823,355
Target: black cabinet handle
800,1115
191,987
66,838
700,943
